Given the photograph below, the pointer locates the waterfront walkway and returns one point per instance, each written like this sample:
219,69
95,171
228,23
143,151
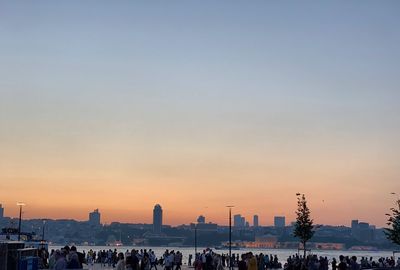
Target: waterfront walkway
98,266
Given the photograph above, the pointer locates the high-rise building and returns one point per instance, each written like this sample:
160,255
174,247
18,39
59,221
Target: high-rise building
236,220
354,226
354,223
279,222
362,231
255,221
1,211
239,221
94,218
201,219
157,219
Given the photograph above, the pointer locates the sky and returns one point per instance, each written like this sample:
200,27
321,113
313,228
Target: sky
197,105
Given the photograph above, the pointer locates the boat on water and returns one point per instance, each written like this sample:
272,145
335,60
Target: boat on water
30,240
115,244
21,250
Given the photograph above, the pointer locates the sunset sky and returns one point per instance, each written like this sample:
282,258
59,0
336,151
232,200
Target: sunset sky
196,105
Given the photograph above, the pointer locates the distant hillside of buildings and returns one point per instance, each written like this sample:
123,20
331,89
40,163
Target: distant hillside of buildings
91,232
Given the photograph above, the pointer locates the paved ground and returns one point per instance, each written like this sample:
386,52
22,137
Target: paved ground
101,267
98,266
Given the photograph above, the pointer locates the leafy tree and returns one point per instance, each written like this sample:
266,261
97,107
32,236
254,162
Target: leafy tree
393,232
304,228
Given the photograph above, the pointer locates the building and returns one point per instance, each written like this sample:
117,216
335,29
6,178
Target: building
157,219
362,231
263,241
354,227
1,211
207,227
239,221
365,232
94,218
201,219
279,222
255,221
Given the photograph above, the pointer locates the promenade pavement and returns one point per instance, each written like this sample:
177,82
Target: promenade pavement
98,266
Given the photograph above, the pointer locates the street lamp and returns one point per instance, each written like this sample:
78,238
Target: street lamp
230,236
195,240
20,204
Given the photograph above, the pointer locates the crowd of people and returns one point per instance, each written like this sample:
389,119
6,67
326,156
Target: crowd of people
381,263
209,260
65,258
138,260
313,262
70,258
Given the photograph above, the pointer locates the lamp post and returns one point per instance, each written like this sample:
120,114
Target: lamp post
230,236
195,240
20,204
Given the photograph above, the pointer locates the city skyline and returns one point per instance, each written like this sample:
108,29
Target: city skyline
238,220
197,106
280,235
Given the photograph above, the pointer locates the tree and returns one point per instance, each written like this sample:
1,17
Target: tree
304,228
393,232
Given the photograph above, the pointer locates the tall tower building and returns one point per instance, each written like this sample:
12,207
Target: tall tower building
354,224
239,221
354,227
1,211
157,218
255,220
279,222
94,218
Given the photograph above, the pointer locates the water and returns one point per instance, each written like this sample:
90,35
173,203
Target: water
282,254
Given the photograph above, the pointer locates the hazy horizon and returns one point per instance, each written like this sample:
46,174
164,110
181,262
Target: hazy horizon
149,220
199,105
